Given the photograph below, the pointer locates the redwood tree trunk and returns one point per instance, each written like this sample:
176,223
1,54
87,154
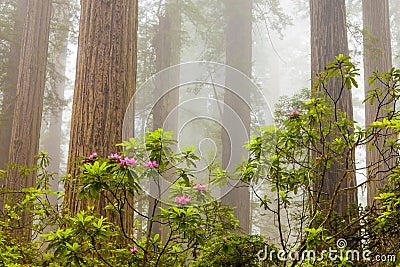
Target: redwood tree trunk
105,82
27,117
58,58
328,39
238,56
7,109
168,53
377,58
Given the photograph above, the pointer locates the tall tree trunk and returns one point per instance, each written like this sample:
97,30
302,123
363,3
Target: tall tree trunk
168,53
238,56
58,57
7,109
328,39
377,58
105,82
27,117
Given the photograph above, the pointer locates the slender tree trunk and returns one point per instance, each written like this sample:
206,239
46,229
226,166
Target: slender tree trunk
238,56
105,82
377,58
168,53
29,98
53,140
168,49
7,109
328,39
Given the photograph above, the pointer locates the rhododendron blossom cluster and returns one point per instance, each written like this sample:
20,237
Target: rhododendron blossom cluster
294,114
183,199
150,164
200,187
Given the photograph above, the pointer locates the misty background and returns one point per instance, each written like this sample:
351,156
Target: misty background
280,60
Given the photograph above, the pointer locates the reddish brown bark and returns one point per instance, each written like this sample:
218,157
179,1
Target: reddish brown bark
105,82
377,58
7,109
27,116
329,39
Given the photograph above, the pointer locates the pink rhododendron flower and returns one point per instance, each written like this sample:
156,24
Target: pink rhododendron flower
114,156
128,161
294,114
200,187
319,157
134,250
183,199
150,164
92,155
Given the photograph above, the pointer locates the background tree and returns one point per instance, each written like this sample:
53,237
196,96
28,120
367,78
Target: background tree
11,79
238,56
167,44
377,59
105,82
328,39
25,133
63,27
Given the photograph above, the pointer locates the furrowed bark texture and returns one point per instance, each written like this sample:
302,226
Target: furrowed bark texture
7,109
105,82
328,39
27,116
377,58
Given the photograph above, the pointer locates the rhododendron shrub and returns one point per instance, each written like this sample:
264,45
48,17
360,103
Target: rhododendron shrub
197,230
